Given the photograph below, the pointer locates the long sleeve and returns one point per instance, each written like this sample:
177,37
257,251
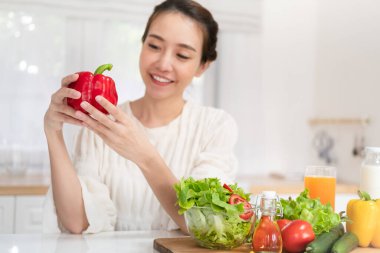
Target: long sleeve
216,157
88,160
100,210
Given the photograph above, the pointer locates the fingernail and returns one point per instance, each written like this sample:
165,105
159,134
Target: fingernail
84,104
98,98
78,94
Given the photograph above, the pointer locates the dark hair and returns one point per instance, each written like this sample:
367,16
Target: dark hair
198,13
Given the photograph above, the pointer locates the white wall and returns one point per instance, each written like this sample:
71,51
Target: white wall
348,74
270,77
289,63
316,59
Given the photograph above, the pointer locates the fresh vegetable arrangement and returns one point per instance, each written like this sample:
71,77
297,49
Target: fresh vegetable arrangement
308,226
91,85
321,217
364,219
217,216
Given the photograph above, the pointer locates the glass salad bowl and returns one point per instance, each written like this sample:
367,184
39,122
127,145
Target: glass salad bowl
217,229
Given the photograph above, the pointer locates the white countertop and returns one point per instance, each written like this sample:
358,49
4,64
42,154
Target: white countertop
115,242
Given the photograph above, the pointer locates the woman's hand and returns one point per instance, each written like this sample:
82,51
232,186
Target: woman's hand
59,112
120,133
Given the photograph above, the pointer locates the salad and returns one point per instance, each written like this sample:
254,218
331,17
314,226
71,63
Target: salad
217,216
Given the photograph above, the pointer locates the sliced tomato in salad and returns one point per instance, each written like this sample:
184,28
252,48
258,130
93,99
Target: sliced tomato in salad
237,199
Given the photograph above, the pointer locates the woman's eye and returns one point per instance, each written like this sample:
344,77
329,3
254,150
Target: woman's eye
183,56
153,46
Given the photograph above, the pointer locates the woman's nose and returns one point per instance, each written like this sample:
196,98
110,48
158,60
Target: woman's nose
165,62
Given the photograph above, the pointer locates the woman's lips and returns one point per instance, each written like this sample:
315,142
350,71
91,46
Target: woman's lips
161,81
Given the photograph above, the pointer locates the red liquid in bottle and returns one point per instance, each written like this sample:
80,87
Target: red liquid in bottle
267,235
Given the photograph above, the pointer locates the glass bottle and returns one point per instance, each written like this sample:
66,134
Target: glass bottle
370,172
267,235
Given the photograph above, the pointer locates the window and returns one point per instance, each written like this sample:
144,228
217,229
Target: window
39,46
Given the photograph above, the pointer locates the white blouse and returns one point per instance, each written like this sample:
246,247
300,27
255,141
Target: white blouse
198,143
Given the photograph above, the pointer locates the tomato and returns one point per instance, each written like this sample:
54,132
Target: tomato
296,235
228,188
282,223
249,213
237,199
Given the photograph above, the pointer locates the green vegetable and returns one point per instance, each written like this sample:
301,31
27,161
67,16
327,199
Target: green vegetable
346,243
212,221
216,230
321,217
207,192
324,242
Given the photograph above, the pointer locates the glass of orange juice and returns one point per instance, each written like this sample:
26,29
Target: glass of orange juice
321,183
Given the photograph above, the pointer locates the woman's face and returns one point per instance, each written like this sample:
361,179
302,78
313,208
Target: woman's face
171,55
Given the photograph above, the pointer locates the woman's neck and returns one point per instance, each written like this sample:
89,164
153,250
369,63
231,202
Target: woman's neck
156,113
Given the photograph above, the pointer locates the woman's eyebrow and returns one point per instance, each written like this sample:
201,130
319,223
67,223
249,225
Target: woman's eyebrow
180,44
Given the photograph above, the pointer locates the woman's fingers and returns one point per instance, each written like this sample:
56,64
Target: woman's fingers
65,109
97,120
98,115
69,79
61,117
111,109
71,120
63,93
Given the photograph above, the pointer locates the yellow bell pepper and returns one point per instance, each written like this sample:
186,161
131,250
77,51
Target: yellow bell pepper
364,220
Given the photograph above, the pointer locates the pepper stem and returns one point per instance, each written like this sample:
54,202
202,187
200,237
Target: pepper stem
364,196
103,68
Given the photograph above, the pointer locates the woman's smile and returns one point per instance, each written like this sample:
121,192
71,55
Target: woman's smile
160,80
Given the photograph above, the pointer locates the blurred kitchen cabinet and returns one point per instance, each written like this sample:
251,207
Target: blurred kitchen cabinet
21,214
28,214
7,206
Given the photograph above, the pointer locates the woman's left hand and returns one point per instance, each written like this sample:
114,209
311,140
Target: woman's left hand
121,134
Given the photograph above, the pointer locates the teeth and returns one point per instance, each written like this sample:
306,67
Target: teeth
161,79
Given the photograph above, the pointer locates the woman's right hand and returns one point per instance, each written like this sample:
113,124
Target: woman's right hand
59,112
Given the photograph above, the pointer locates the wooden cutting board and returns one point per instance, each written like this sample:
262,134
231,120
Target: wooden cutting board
188,245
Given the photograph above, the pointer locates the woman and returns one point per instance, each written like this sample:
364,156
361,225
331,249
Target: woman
123,170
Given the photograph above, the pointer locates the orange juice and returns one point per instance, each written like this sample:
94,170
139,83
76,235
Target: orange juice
321,187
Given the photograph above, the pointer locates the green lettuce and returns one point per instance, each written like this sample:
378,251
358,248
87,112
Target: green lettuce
212,221
321,217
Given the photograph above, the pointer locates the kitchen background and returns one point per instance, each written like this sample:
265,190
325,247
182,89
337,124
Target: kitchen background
301,77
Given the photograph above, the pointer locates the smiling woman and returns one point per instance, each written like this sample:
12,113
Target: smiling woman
124,167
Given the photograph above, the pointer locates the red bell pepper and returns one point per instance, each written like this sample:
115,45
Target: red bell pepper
91,85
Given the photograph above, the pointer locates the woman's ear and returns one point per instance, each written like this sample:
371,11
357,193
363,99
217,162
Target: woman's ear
202,68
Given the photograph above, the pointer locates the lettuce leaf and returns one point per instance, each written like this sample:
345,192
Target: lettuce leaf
207,192
321,217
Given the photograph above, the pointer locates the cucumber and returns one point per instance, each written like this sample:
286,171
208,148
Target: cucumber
346,243
324,242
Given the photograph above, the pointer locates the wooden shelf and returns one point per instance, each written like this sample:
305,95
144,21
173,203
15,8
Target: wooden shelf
28,184
339,121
